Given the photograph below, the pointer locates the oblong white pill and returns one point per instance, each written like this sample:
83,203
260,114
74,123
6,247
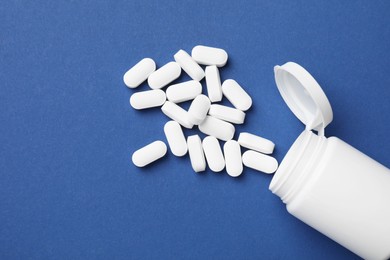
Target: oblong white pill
189,65
139,72
228,114
164,75
209,55
147,99
233,160
236,95
214,156
184,91
260,162
149,153
198,109
175,137
195,152
213,83
217,128
177,113
256,143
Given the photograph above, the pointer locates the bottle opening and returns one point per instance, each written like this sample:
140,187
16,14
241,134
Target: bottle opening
297,166
288,163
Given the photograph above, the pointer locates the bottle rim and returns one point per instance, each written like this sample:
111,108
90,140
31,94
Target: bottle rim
299,160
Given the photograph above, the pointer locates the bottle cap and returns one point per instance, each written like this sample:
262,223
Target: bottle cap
304,96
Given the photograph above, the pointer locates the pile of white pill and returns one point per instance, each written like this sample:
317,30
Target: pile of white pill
214,120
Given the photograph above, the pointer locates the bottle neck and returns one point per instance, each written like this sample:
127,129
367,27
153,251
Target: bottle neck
297,166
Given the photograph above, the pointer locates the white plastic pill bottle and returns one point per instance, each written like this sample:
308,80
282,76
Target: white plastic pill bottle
327,183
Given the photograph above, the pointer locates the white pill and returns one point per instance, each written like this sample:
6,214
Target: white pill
184,91
212,151
175,137
260,162
213,83
139,72
236,95
198,109
209,55
149,153
164,75
195,152
217,128
233,160
256,143
147,99
189,65
228,114
177,113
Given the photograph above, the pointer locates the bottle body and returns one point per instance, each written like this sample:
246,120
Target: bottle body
339,191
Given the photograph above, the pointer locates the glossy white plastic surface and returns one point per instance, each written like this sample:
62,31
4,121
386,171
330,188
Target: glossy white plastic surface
327,183
260,162
209,55
189,65
164,75
228,114
214,156
233,159
195,151
177,114
198,109
184,91
256,143
175,137
213,83
147,99
149,153
236,95
139,72
217,128
304,96
339,191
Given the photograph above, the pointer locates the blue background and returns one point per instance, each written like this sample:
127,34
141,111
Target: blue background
68,189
